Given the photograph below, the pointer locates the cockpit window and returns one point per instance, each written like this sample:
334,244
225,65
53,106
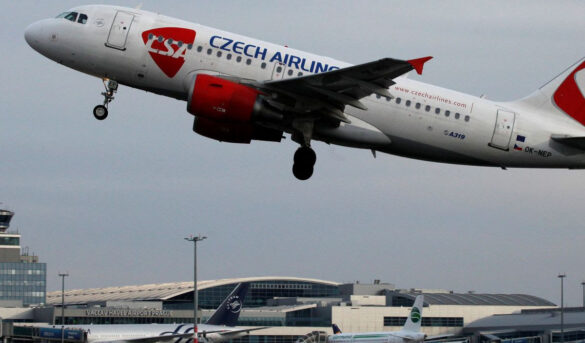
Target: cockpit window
82,18
72,16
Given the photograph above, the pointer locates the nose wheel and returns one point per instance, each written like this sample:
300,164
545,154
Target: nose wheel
100,112
304,161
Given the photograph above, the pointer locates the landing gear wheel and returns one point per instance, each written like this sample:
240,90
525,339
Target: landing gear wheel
100,112
302,172
305,155
304,161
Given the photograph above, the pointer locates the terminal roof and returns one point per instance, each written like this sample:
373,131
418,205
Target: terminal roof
158,292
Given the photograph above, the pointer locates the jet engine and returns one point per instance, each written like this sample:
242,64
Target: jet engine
230,112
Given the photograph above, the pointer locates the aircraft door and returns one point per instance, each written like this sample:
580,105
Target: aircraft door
503,130
119,30
278,71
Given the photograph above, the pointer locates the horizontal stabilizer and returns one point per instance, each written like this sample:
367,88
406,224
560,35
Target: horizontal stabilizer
575,142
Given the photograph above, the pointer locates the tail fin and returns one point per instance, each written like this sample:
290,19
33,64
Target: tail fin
228,312
413,321
565,94
336,329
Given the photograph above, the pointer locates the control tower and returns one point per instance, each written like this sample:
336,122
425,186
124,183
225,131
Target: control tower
22,278
5,217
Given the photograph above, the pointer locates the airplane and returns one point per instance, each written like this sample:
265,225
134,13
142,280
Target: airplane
241,89
410,333
219,327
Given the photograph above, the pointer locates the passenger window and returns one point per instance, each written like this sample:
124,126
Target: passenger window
209,51
417,105
263,65
447,113
457,115
82,18
248,61
199,48
427,108
407,103
467,118
219,54
398,100
278,69
239,59
290,72
377,96
437,110
228,56
72,16
190,46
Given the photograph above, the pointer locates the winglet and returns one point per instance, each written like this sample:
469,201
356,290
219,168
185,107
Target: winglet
418,63
336,329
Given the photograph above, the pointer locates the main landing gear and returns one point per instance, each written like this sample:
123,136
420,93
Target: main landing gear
100,112
305,157
304,161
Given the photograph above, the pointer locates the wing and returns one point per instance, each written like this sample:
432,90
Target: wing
151,339
240,331
331,91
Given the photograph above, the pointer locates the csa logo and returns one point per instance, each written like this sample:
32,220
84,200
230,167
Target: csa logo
415,315
569,96
234,304
168,46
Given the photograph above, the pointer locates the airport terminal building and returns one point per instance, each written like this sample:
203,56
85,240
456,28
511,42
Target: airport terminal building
290,307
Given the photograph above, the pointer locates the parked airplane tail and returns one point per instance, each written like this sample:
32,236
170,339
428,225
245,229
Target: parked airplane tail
336,329
228,312
565,94
414,320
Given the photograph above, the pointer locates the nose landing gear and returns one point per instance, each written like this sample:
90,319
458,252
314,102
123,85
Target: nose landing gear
100,112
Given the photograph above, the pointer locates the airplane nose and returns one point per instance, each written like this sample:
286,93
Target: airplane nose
32,35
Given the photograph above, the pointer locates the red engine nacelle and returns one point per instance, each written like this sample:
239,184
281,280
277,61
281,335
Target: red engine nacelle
234,132
221,100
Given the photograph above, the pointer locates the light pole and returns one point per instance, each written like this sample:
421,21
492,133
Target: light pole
63,275
583,284
562,276
195,294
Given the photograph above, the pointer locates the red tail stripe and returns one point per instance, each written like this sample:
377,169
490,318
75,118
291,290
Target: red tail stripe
568,97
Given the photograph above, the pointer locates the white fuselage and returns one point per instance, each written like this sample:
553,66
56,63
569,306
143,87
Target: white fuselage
421,121
376,337
122,332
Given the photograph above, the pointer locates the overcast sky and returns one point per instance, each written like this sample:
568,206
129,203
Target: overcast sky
111,201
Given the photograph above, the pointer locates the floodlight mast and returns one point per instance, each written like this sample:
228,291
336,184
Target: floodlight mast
63,276
195,293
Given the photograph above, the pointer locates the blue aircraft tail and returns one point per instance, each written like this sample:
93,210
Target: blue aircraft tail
228,312
336,329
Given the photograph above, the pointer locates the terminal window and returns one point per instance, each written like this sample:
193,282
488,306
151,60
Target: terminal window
427,321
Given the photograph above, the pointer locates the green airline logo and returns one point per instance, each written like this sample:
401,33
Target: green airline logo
415,315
